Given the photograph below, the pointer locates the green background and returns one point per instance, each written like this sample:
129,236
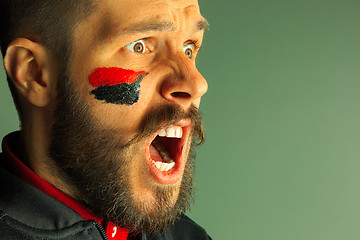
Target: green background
282,156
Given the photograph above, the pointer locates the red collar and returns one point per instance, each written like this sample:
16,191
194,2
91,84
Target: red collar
18,168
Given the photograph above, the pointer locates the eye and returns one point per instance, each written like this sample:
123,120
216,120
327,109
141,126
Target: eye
189,50
138,46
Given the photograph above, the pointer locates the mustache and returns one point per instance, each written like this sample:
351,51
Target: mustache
166,115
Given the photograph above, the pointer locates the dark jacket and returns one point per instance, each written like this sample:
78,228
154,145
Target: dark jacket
28,213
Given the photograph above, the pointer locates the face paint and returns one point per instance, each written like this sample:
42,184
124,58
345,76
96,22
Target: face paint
116,85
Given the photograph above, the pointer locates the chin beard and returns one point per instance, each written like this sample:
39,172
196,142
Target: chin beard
93,163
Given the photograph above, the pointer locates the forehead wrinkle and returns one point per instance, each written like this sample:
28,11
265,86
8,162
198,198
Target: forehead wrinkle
109,30
141,27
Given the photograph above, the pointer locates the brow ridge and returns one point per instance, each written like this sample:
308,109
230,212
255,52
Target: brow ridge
159,26
147,26
202,25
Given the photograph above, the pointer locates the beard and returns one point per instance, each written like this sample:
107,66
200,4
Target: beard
94,163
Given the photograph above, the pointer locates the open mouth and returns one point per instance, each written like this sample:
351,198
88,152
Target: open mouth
166,153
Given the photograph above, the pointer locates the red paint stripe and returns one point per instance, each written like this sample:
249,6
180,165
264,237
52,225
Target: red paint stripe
113,76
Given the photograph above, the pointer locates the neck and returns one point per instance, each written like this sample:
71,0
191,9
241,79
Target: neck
33,150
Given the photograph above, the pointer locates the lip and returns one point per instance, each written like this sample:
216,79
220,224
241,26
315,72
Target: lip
175,174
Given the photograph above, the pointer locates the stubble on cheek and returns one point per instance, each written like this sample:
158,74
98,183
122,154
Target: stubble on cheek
116,85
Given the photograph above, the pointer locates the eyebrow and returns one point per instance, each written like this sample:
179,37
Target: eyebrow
158,26
203,25
148,26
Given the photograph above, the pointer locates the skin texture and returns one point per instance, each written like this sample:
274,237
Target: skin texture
172,77
168,29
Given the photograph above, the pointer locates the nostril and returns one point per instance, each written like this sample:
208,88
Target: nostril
183,95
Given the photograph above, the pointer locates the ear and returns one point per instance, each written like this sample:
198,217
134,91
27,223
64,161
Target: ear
30,66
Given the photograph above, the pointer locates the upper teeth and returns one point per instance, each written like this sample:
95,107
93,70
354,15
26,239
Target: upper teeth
171,132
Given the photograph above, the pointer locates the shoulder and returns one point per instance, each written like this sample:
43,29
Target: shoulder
185,223
183,229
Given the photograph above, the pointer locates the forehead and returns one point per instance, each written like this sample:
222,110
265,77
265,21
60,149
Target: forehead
118,15
145,8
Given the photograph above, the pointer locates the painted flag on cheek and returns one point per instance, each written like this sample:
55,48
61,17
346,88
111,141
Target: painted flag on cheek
116,85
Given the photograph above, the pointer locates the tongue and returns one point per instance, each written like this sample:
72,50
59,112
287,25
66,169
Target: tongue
159,150
154,154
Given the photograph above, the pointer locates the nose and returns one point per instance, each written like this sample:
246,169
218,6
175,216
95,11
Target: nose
185,85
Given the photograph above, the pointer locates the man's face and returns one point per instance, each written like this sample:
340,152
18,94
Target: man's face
151,44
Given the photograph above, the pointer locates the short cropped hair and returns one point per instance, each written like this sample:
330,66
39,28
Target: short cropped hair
50,22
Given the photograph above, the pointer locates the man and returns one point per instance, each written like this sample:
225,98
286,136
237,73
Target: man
107,93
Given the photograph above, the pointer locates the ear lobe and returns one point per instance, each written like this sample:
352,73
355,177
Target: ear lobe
28,66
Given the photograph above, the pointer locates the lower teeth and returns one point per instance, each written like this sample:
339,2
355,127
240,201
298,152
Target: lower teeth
167,162
164,167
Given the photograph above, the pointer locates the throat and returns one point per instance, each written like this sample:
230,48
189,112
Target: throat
159,152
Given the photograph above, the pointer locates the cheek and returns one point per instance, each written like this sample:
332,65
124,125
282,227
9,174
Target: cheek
196,103
116,85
